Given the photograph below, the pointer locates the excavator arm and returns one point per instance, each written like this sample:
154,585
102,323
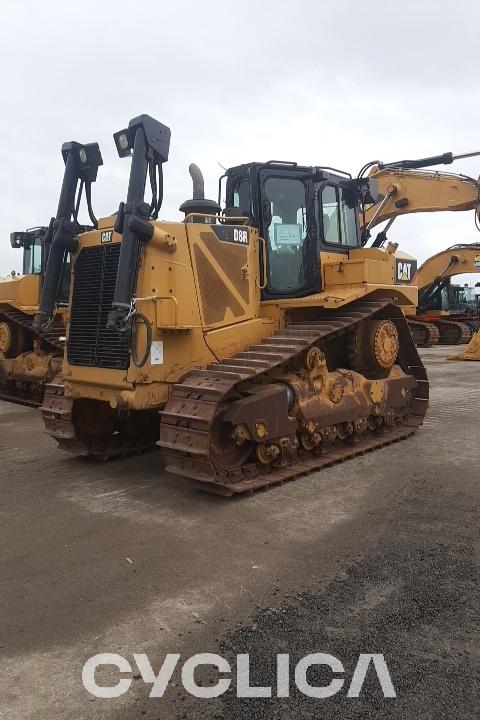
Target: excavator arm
454,260
398,191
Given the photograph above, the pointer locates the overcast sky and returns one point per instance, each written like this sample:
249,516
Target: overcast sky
335,82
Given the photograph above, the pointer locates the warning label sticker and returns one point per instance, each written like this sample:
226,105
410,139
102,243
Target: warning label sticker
156,353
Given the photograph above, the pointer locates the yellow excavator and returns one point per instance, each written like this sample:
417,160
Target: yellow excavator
444,314
31,356
254,342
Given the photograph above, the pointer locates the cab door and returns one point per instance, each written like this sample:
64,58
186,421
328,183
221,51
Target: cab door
337,214
289,227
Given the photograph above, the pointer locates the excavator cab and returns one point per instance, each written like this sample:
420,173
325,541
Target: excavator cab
300,212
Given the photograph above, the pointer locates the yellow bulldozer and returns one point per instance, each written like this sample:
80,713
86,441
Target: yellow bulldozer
255,341
30,356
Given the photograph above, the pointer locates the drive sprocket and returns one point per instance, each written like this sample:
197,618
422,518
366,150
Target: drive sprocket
373,347
7,339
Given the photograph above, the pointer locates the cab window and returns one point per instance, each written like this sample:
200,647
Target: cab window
32,258
284,213
339,219
241,197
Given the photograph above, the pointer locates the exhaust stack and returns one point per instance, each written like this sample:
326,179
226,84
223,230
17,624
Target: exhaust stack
198,206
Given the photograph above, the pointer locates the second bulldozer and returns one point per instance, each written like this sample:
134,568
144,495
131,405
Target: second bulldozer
255,343
31,353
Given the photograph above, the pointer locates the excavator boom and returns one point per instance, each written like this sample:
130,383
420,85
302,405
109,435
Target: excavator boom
455,260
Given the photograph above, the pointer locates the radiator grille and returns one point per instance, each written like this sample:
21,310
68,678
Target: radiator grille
90,343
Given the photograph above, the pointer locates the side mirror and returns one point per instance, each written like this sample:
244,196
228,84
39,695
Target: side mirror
16,239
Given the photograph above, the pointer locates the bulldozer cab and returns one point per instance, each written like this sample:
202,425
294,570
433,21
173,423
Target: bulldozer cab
300,212
35,255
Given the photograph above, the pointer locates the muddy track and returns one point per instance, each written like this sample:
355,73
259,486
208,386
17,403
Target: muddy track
187,423
49,337
51,341
135,435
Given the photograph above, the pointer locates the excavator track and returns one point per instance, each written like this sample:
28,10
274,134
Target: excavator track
187,427
425,334
453,332
473,324
21,393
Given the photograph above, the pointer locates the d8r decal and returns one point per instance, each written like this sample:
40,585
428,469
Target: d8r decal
228,233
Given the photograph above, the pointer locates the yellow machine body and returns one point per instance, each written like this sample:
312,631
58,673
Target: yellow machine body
22,293
249,360
202,298
445,325
28,358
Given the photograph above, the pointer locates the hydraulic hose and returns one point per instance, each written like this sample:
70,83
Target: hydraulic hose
148,326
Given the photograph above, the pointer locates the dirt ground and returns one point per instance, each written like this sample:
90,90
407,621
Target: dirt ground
380,554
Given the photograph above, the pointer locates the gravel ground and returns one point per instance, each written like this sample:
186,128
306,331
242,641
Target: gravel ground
380,554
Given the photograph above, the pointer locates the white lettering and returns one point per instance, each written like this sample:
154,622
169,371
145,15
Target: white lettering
360,674
160,682
244,689
318,659
283,675
106,691
188,675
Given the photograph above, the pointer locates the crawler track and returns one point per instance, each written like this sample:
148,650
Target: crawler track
473,324
453,332
425,334
50,337
440,331
19,400
187,422
135,435
25,393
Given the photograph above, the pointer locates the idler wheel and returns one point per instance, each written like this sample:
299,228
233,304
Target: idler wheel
225,452
374,348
